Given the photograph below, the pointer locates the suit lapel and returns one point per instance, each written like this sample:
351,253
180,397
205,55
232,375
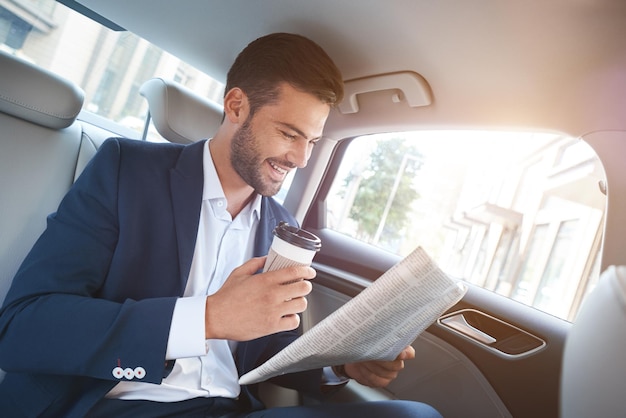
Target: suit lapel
264,235
187,180
271,214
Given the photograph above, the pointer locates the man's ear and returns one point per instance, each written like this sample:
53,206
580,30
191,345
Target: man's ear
236,106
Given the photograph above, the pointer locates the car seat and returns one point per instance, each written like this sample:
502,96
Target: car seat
179,114
593,376
40,147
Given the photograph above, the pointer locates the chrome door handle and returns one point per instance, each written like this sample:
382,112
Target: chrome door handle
460,324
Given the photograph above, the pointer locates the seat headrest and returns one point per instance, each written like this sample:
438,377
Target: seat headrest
179,114
37,95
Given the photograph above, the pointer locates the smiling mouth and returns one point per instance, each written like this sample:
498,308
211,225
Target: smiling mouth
278,169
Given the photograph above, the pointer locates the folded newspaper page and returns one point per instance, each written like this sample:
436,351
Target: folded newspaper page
377,324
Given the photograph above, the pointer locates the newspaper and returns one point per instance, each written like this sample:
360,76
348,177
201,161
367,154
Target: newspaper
377,324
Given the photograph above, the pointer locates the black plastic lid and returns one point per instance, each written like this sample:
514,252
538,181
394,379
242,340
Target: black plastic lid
298,237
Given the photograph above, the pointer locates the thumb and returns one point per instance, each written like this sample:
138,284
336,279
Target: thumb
407,354
251,266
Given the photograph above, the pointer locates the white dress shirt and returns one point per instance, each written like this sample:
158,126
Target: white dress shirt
203,368
206,368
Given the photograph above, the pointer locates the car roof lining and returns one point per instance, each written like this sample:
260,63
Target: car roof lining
499,62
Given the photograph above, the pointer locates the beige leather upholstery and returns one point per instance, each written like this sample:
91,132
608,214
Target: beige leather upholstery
36,95
179,114
593,378
42,150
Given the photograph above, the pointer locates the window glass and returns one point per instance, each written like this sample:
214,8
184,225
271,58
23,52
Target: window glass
110,66
520,214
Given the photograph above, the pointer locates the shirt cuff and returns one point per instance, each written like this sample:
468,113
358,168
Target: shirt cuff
187,329
329,378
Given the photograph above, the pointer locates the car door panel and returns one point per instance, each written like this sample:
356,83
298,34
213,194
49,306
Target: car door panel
515,375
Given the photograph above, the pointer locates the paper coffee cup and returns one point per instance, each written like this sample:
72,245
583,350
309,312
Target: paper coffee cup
291,246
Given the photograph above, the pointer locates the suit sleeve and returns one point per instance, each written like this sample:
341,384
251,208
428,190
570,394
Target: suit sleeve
53,320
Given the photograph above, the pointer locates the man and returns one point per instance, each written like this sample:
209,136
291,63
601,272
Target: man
142,297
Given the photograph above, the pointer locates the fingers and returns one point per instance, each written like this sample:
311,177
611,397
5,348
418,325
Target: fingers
289,291
289,275
289,322
371,374
251,305
407,354
379,373
388,369
286,275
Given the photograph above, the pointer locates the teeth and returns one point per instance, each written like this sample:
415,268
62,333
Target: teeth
277,168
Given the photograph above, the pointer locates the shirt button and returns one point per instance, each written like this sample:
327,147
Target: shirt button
118,372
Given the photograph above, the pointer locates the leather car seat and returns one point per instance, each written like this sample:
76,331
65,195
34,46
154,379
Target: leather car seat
40,145
593,377
180,115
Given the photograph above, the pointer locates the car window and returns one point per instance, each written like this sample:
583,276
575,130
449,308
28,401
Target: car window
109,65
520,214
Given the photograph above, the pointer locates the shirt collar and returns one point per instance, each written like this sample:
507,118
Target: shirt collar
212,188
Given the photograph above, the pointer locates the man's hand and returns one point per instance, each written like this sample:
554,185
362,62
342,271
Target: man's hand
378,374
251,305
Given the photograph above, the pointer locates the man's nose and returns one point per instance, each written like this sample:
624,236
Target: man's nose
299,153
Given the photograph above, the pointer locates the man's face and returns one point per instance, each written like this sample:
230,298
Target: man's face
278,138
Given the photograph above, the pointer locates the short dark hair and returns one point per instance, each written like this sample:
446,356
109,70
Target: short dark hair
268,61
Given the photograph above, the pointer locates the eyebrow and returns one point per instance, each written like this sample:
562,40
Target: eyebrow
298,131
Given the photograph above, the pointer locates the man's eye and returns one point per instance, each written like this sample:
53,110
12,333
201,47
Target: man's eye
289,136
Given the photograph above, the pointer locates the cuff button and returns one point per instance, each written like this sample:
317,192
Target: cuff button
139,372
129,373
118,372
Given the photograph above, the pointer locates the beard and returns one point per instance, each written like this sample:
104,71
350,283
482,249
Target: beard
245,157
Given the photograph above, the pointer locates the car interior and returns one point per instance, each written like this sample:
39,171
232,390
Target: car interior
554,70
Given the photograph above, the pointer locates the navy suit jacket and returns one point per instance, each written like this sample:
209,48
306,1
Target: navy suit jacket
98,289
